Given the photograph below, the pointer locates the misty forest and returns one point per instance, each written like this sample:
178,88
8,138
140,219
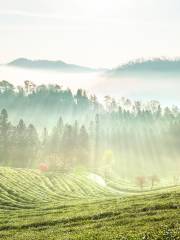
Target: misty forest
69,130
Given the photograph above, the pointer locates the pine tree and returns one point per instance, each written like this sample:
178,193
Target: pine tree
68,146
4,136
20,145
33,144
83,146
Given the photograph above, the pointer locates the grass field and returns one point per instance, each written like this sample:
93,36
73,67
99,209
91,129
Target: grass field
73,206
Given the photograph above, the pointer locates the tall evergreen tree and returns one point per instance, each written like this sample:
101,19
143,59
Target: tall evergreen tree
4,136
33,144
84,146
20,145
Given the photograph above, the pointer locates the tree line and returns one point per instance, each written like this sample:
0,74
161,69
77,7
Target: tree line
123,136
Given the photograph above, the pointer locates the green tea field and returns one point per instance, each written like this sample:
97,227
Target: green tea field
36,206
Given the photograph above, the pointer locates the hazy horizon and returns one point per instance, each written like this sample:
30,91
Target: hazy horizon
133,87
90,33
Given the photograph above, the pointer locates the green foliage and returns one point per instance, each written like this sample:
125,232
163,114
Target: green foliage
143,137
18,144
71,206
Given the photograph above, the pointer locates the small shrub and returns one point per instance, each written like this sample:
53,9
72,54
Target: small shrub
43,167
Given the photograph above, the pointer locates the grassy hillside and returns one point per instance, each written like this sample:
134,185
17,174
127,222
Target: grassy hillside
74,206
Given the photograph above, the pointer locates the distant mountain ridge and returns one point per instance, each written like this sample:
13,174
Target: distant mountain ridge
153,66
49,65
156,66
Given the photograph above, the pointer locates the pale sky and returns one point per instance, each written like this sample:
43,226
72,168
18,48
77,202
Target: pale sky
100,33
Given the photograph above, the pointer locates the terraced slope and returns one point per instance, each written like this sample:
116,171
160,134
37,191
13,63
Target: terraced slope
22,188
73,206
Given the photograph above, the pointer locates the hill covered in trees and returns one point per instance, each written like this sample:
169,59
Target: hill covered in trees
48,65
69,130
155,67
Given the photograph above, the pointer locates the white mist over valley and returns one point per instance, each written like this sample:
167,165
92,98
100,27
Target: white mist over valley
144,88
